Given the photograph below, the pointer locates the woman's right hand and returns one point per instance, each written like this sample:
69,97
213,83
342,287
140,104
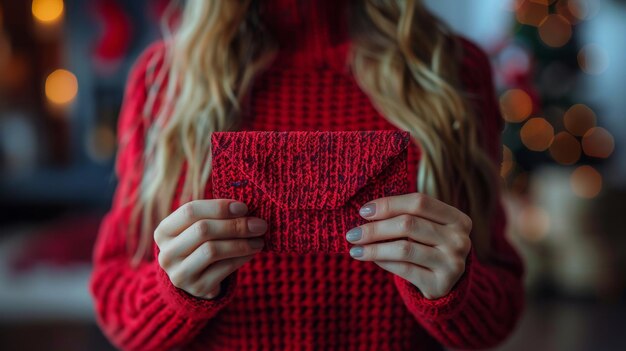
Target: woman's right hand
204,241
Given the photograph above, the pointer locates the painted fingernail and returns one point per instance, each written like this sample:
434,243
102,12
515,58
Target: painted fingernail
356,251
257,243
354,234
238,208
257,225
368,210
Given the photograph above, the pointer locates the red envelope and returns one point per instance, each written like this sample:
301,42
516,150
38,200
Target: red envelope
308,185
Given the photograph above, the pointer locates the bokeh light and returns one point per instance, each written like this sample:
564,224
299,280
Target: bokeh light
578,119
534,223
514,59
581,9
565,149
593,59
61,87
598,142
101,144
47,11
516,105
531,13
520,182
507,162
537,134
555,30
586,182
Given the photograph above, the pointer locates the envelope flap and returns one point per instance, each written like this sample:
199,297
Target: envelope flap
310,169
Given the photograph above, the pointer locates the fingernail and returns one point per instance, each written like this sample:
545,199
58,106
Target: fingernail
257,225
368,210
257,243
237,208
356,251
354,234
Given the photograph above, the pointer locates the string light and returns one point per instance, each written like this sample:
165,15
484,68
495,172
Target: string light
61,87
535,223
586,182
598,142
100,143
47,11
516,105
537,134
565,149
578,119
555,30
530,12
520,183
593,59
582,9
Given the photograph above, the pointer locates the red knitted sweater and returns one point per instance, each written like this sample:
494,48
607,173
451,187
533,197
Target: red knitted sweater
307,301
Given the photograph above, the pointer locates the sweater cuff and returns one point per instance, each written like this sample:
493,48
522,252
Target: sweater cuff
446,306
195,307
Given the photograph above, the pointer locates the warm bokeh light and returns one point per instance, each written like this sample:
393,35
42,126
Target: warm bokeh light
586,182
101,144
593,59
531,13
519,184
507,161
598,142
555,30
537,134
534,223
565,149
571,12
578,119
516,105
47,11
61,87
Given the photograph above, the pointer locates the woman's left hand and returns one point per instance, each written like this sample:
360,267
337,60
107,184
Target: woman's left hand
426,240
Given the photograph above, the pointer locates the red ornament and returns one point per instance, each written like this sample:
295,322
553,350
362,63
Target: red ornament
117,32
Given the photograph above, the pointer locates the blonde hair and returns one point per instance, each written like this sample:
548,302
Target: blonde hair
213,58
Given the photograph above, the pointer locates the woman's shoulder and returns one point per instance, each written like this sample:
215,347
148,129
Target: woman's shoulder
133,121
471,50
475,65
148,63
477,77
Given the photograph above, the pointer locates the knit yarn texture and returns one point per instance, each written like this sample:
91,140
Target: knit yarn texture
308,186
303,292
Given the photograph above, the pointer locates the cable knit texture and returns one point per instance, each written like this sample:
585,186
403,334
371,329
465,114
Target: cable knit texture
308,185
321,299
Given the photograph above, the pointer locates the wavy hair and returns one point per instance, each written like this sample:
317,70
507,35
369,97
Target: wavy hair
221,46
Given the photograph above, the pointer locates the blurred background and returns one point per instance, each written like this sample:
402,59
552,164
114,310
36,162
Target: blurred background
560,74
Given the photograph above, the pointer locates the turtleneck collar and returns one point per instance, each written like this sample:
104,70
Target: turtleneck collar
310,33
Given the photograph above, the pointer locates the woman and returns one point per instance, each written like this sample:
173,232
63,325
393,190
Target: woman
176,268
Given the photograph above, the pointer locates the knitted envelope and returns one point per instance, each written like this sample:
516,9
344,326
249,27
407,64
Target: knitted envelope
308,185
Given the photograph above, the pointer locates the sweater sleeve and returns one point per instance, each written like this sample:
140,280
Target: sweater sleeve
138,308
486,303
